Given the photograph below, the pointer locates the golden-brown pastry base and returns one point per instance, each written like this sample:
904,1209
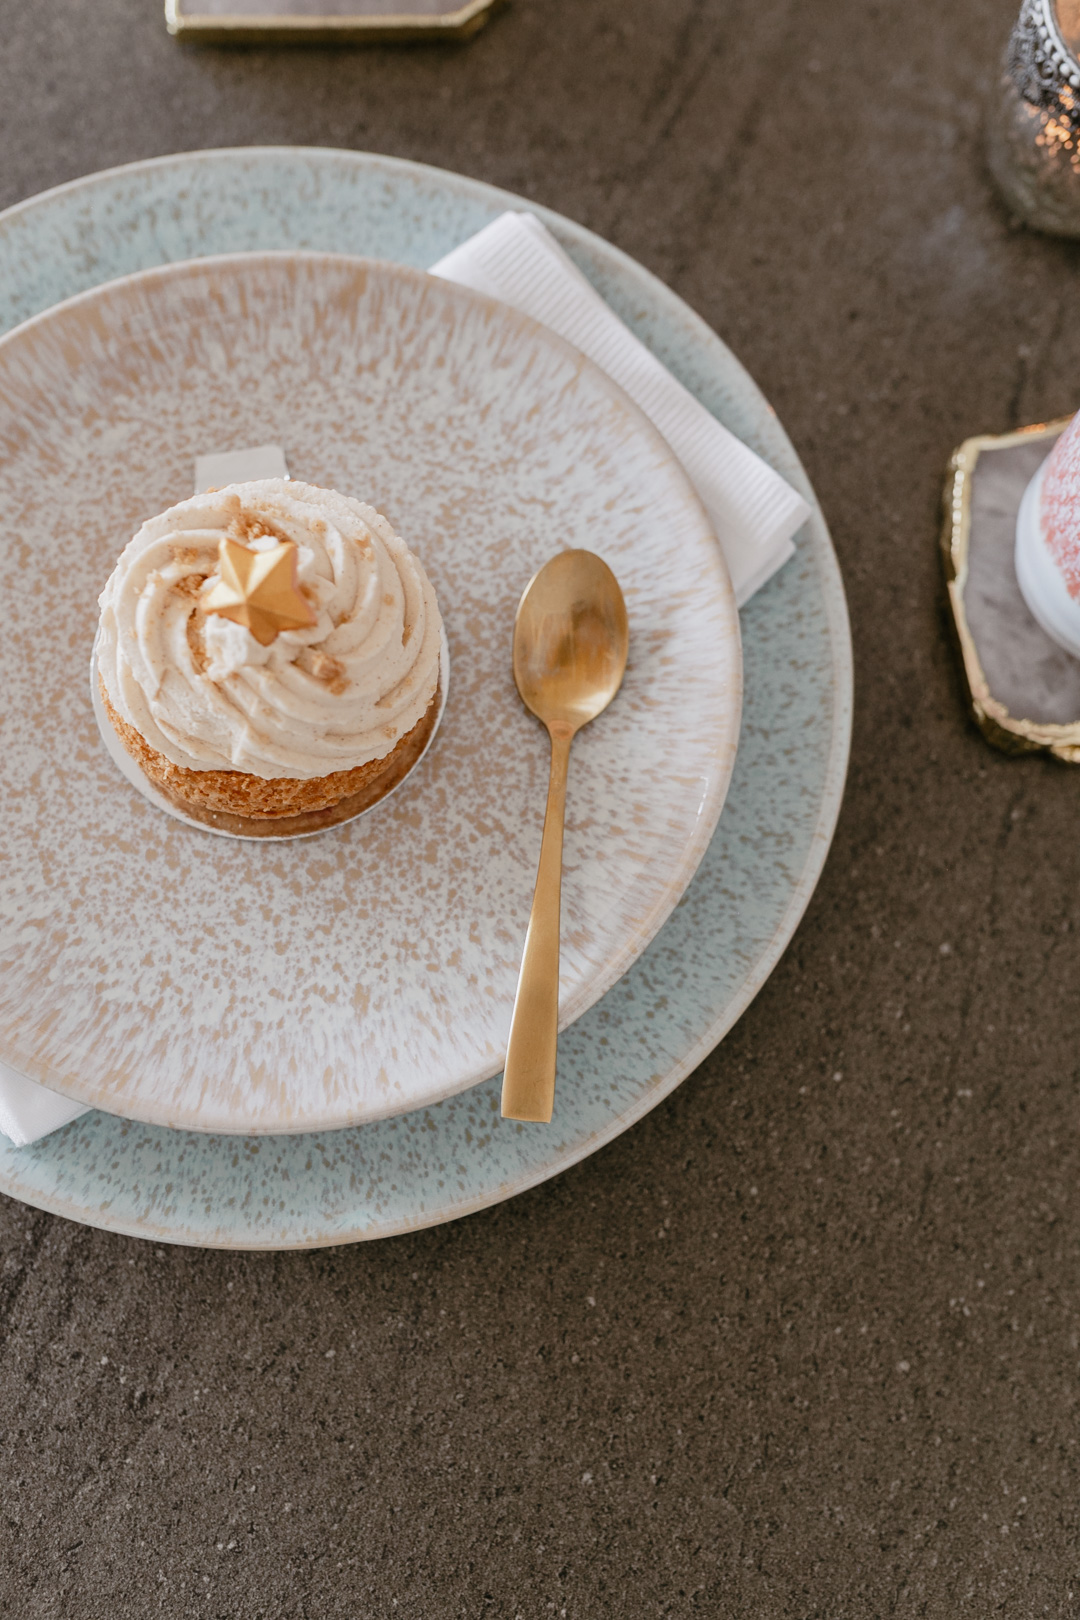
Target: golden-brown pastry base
279,806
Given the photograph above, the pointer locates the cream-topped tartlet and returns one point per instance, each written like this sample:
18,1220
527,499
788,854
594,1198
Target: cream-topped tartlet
269,654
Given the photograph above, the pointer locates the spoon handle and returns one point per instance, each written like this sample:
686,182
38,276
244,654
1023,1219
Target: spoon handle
529,1077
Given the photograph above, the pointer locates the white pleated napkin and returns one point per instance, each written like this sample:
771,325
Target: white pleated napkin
755,513
28,1111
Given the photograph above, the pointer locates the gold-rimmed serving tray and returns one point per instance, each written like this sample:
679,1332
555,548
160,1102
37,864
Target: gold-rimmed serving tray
1023,691
324,22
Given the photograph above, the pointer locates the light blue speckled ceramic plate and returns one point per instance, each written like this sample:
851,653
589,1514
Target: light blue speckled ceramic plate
714,953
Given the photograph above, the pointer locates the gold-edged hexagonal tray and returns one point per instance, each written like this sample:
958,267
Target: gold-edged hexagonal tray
1024,691
323,22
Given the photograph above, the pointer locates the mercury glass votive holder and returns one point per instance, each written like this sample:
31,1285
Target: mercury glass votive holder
1034,134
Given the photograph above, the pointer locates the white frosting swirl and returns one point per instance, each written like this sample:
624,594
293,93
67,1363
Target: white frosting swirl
315,701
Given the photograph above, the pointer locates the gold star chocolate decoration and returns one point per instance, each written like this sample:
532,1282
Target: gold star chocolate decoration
259,590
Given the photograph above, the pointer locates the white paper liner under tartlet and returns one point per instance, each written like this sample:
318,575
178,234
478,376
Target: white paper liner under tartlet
134,774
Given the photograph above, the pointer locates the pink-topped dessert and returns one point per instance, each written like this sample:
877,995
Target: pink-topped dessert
1048,542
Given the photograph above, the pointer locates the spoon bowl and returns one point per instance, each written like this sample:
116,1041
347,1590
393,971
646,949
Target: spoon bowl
570,640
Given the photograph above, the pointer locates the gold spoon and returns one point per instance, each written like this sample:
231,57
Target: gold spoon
570,644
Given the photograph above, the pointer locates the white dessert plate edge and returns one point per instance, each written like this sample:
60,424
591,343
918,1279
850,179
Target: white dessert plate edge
150,1105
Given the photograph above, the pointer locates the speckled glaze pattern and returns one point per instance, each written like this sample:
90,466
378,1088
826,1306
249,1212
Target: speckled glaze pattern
722,940
330,982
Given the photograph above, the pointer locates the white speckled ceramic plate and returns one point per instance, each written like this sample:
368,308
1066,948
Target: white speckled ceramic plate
709,960
171,976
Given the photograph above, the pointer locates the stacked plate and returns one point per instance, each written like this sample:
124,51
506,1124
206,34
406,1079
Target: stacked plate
335,1008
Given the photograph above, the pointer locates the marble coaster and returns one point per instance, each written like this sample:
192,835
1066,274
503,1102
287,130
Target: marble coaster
1023,688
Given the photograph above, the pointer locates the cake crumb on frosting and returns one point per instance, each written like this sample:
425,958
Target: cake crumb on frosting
328,670
191,584
248,526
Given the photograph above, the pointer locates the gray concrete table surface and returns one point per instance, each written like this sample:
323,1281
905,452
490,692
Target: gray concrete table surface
805,1343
